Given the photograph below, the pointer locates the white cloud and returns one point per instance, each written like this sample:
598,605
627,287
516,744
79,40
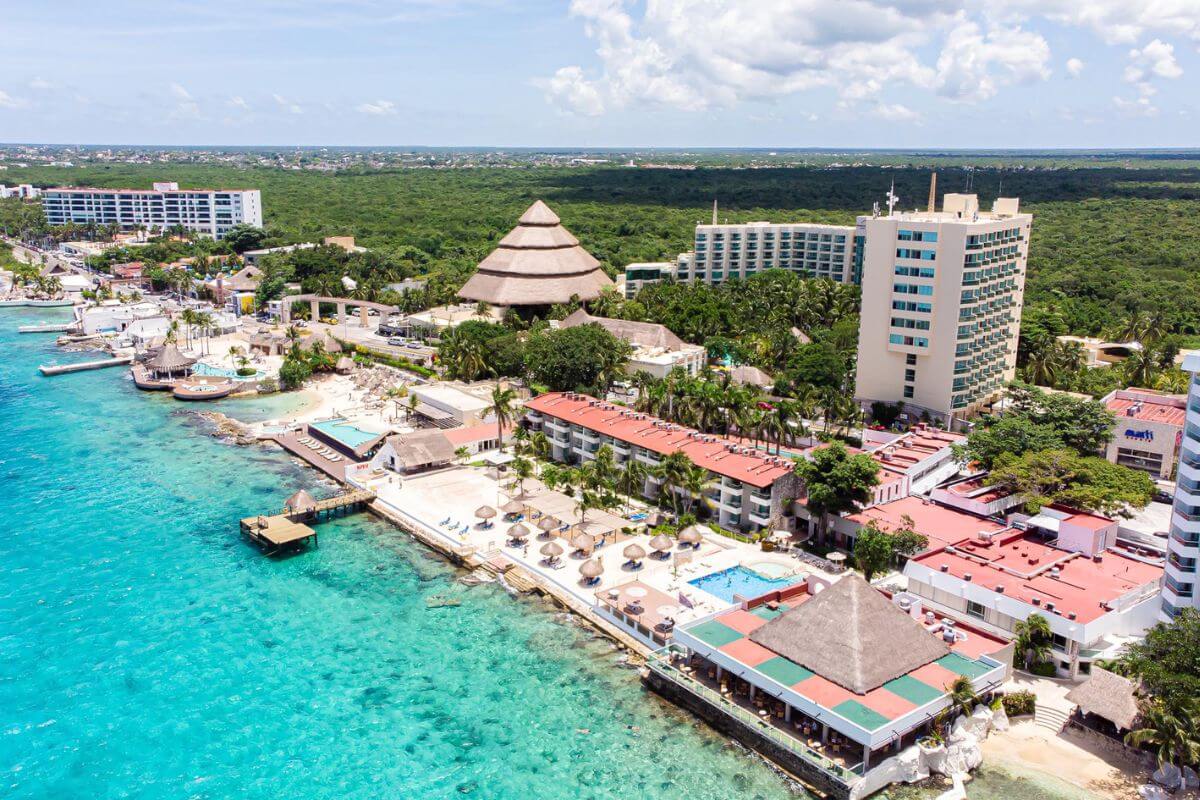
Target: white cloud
42,85
1074,67
895,112
1139,107
379,108
237,101
1114,21
186,106
972,65
287,105
569,88
1155,60
8,101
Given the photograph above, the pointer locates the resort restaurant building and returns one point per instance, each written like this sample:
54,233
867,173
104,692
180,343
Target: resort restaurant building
1094,597
1148,430
832,679
747,488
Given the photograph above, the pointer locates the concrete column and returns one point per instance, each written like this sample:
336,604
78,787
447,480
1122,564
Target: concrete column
362,316
824,733
285,312
866,757
718,673
787,713
752,693
341,313
315,308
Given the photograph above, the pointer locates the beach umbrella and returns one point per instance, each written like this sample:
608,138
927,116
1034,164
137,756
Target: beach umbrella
485,512
551,549
518,531
548,525
691,535
513,507
583,541
634,552
662,542
592,568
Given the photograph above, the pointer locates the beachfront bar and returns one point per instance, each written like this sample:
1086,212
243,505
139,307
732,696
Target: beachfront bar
826,680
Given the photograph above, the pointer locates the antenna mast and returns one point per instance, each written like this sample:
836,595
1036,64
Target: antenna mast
714,211
892,198
933,193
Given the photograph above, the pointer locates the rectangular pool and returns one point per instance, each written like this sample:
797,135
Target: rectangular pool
345,432
741,581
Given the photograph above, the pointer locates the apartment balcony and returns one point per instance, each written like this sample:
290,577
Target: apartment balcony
759,519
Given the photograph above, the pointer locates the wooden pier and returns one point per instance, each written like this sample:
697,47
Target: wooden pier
289,529
56,327
62,369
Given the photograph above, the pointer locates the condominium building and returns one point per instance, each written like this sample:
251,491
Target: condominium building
722,252
24,191
1183,545
746,489
211,212
941,305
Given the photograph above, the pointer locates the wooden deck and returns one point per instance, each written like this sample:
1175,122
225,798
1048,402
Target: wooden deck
334,469
289,529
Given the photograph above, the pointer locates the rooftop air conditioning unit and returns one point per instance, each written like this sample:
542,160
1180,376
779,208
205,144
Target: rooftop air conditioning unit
1055,572
945,567
1037,601
1071,615
930,617
999,588
951,549
967,576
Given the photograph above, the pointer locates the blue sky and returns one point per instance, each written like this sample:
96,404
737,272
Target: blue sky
737,73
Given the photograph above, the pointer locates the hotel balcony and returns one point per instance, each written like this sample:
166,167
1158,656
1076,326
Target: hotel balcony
759,518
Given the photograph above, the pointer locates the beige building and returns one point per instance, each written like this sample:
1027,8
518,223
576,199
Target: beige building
1148,430
941,305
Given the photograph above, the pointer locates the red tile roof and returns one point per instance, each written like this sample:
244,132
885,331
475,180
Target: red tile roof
711,452
1021,563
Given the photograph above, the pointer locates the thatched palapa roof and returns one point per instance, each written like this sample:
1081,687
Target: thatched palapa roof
1109,696
169,359
300,501
852,635
421,448
751,375
538,263
644,334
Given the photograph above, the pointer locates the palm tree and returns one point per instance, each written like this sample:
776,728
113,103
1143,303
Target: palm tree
188,318
502,408
539,445
1033,640
1172,733
963,695
632,480
672,473
522,468
1141,367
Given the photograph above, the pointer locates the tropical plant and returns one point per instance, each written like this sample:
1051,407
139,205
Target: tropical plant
1171,732
502,401
1032,643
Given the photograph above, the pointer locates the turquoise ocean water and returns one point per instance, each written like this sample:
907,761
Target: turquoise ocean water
147,652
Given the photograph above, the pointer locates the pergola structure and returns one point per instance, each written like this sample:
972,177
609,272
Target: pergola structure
342,303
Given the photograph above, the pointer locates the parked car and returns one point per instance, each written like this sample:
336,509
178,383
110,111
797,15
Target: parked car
397,341
389,330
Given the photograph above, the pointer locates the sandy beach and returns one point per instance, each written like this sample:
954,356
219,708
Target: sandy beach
1028,749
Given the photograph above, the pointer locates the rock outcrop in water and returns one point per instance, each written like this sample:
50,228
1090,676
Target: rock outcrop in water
229,429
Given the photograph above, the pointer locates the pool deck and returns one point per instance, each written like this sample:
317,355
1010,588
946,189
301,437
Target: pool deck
420,502
290,441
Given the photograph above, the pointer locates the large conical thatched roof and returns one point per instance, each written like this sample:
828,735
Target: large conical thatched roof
852,635
300,501
538,263
169,359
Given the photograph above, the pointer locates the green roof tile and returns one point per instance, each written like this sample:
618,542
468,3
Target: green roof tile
913,690
963,666
714,633
783,671
860,715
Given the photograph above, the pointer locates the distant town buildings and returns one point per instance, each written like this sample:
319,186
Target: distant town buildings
941,305
1183,556
211,212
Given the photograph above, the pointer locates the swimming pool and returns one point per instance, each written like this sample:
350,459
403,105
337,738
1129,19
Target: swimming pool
345,432
207,369
741,581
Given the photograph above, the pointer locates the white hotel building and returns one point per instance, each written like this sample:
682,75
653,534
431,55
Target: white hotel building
722,252
211,212
1183,545
941,305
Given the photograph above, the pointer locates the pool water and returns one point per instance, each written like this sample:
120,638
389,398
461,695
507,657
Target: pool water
772,569
220,372
741,581
346,433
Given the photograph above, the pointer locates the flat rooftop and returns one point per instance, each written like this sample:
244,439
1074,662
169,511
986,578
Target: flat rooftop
914,448
1020,565
1149,410
940,524
455,398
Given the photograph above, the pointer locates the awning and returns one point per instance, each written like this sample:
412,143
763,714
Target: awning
440,418
1043,521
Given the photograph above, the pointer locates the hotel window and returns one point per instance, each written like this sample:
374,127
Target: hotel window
976,610
908,393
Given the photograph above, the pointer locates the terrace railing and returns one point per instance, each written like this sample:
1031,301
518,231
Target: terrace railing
659,662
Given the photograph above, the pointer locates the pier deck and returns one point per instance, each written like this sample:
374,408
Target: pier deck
279,531
63,369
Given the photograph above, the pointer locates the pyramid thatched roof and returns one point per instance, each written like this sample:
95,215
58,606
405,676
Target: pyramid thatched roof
751,375
169,359
329,344
852,635
645,334
1109,696
538,263
300,501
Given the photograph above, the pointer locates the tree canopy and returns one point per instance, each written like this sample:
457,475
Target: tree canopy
836,481
1088,483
